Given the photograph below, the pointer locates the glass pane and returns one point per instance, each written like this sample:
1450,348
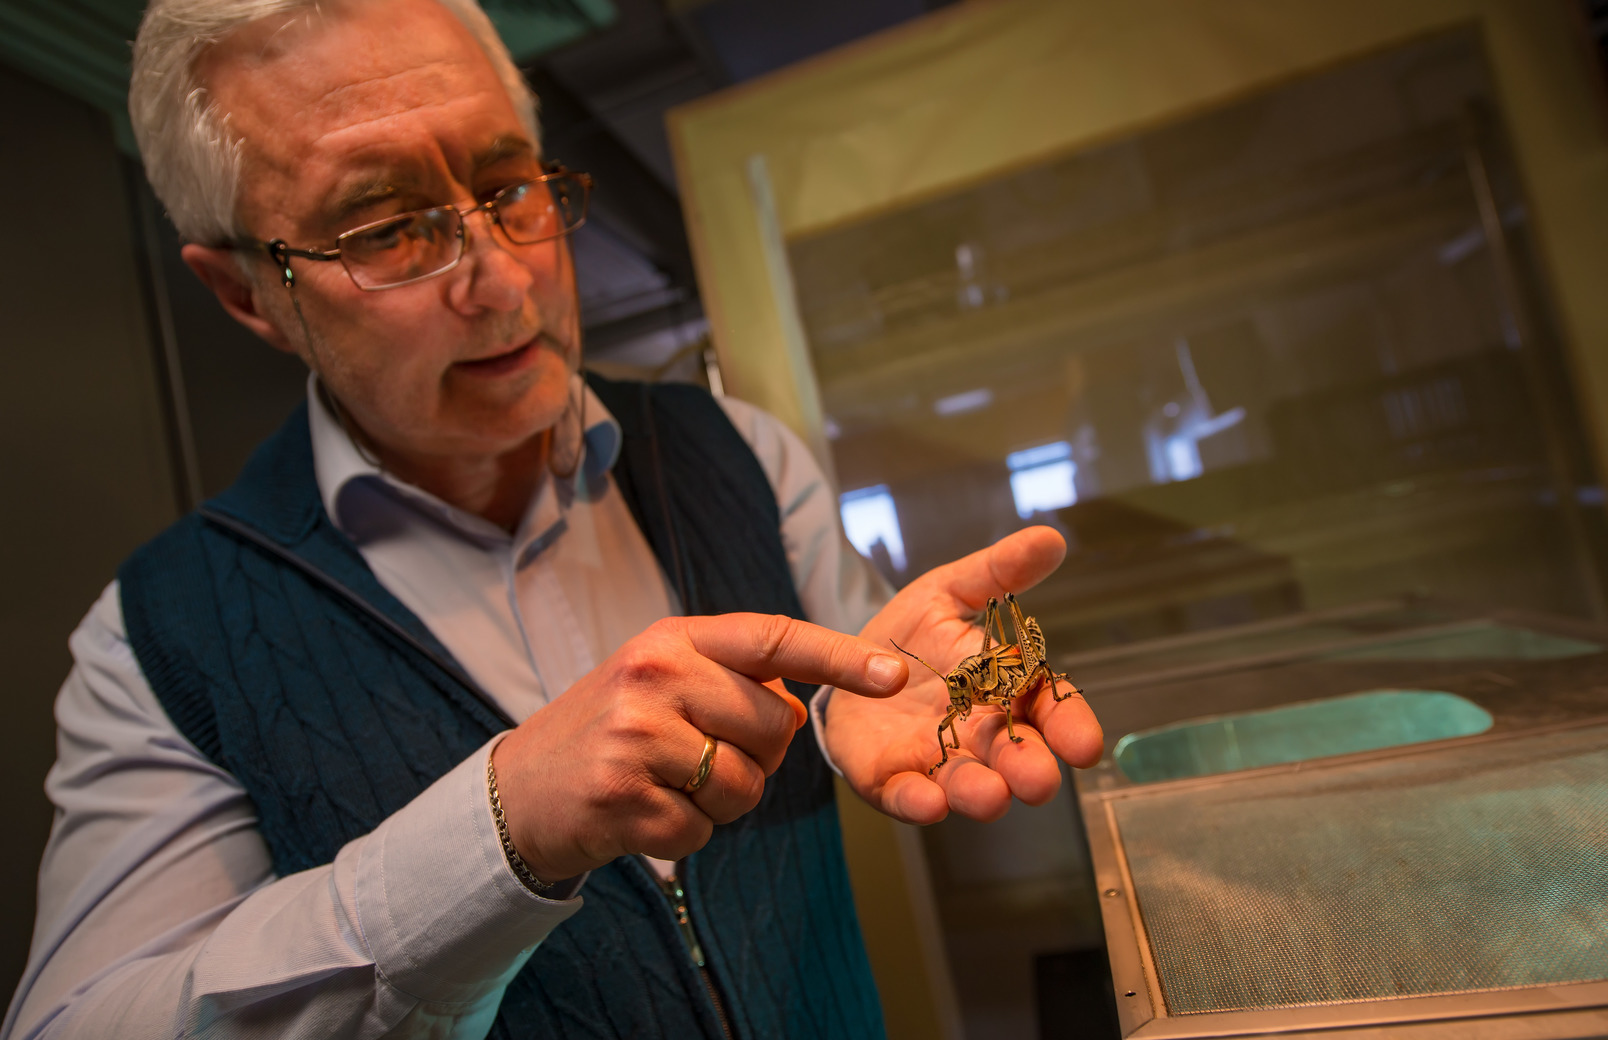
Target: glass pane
1475,642
1291,353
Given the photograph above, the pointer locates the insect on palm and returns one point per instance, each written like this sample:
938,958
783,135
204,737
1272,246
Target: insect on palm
997,674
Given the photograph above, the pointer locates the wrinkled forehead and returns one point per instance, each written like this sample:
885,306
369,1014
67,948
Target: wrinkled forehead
353,76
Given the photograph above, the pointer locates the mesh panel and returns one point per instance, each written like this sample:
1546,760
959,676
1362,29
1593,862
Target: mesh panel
1485,868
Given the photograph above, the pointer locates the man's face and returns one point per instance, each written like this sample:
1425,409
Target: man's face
369,109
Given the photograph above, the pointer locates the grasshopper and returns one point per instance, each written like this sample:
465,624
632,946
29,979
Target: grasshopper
996,674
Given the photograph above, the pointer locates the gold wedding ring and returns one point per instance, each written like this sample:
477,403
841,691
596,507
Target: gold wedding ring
706,765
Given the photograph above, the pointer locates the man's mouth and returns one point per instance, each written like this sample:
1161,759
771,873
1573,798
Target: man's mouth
500,364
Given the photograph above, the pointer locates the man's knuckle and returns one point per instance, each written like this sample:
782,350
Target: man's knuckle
781,722
682,836
771,636
641,665
748,788
664,628
633,722
770,759
662,829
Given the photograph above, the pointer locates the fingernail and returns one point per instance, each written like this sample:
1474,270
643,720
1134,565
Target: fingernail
884,671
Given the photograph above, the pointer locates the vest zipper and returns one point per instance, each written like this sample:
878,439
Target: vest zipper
677,896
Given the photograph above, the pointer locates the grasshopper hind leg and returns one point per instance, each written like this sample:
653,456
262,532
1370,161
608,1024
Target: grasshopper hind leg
1055,691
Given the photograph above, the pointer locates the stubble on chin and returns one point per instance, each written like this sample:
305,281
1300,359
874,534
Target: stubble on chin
375,388
512,408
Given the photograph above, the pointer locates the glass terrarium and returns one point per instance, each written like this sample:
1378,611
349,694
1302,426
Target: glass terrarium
1285,354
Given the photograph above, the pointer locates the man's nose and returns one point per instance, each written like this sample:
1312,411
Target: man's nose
491,276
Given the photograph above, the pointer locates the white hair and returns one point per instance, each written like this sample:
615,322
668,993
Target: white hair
192,160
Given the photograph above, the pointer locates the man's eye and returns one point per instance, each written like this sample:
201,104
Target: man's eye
403,232
386,236
517,190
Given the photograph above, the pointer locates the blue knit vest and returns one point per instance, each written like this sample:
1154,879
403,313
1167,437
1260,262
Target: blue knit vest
274,649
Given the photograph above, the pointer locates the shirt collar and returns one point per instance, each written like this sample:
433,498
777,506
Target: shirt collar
340,467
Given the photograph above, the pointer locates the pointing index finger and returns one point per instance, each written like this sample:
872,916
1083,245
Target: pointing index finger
773,646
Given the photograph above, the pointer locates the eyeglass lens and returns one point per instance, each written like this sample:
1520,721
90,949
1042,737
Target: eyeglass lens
416,245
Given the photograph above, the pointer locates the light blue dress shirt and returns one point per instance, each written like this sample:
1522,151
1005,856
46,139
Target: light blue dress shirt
159,912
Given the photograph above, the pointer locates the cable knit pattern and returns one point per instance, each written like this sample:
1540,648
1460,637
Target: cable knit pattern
275,650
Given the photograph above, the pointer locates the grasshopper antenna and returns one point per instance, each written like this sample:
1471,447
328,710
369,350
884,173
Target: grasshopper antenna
929,667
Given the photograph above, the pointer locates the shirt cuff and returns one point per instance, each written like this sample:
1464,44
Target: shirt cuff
443,914
818,705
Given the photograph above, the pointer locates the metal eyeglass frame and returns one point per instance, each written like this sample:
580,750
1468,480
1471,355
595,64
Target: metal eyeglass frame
280,252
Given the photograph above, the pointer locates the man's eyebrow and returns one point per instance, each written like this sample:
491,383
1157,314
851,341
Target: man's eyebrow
366,191
360,194
508,146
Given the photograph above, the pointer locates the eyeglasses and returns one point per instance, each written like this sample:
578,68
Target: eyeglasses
411,247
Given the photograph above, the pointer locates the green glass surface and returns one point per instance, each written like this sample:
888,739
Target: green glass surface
1479,641
1297,732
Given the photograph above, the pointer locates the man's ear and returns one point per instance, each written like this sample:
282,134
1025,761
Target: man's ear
219,270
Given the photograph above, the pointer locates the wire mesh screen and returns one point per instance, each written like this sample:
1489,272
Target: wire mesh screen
1484,868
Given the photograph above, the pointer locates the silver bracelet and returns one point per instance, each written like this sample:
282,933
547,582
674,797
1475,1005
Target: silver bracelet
516,863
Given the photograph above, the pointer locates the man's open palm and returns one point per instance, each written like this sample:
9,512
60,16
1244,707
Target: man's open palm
885,746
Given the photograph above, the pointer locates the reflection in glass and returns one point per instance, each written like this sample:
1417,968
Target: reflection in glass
871,522
1293,353
1043,479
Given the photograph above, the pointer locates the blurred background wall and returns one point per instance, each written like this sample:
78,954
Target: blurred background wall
88,467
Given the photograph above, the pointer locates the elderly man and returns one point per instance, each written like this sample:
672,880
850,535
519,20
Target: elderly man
472,642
